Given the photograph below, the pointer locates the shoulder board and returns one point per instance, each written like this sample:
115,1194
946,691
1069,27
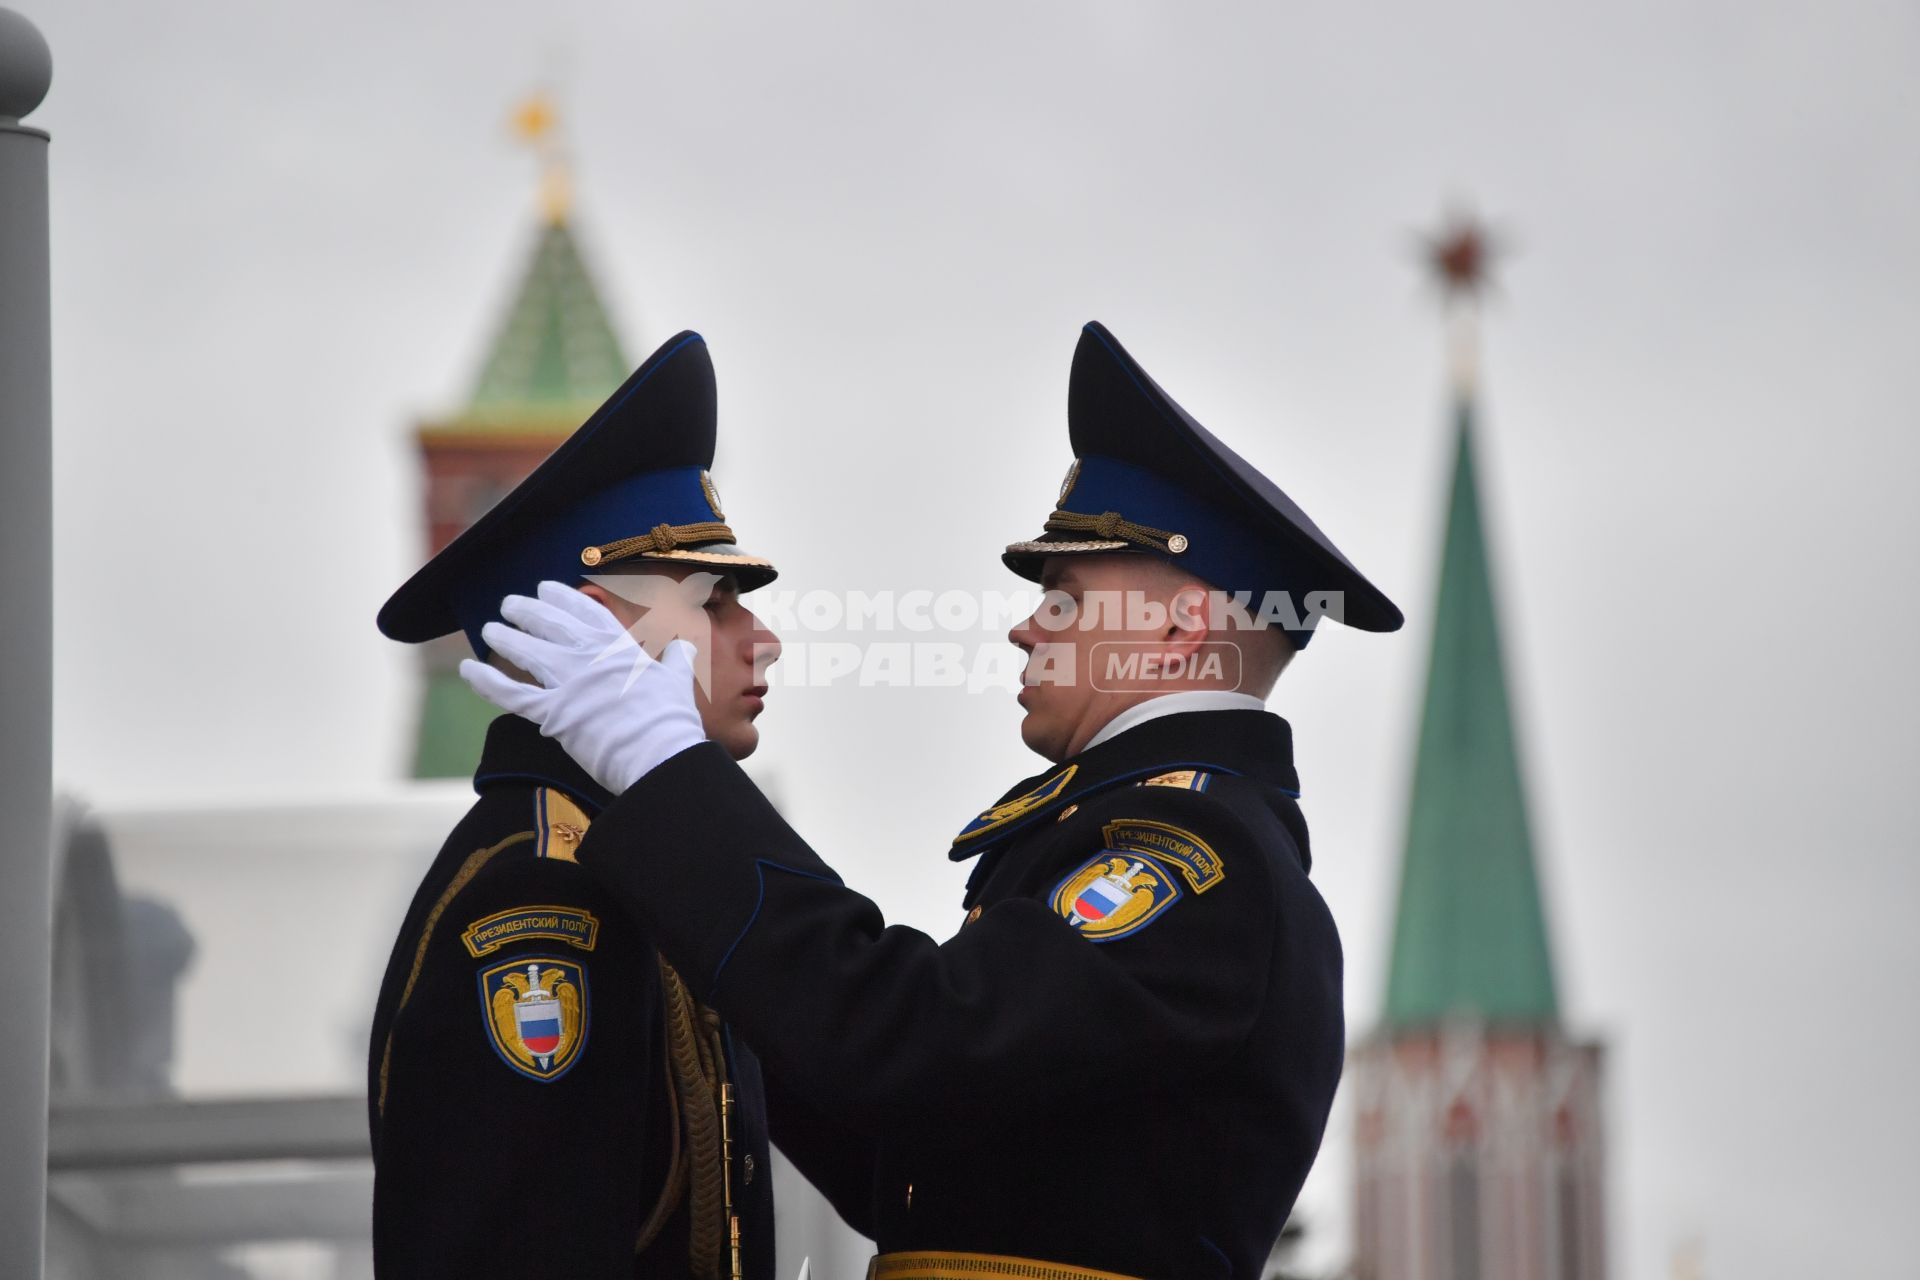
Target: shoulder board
1185,779
1017,807
558,825
999,823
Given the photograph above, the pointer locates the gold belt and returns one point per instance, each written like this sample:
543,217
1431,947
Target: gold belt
973,1266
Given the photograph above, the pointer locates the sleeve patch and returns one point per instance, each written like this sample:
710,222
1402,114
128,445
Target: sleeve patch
1115,894
535,1011
1195,858
570,925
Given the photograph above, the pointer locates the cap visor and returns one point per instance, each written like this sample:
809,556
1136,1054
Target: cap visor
749,570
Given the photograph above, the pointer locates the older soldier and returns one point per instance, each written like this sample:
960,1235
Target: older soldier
547,1097
1122,1064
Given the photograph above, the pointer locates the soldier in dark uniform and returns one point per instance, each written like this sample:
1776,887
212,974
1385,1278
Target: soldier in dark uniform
1122,1063
546,1096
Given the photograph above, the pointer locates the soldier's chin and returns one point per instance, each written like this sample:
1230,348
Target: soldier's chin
1042,737
738,738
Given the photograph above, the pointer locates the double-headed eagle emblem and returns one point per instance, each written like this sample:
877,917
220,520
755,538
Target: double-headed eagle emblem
1113,895
536,1014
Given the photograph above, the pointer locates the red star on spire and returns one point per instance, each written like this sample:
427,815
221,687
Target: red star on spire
1461,256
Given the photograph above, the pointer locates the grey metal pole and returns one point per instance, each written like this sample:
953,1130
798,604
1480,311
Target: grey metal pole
26,648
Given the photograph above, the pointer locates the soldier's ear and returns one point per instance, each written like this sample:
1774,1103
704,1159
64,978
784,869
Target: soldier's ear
1189,617
627,611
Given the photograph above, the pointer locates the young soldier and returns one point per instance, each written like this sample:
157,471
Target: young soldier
1121,1065
546,1096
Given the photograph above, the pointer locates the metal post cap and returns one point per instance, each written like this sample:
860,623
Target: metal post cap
26,66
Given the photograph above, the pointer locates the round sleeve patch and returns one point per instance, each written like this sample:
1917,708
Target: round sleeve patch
1117,893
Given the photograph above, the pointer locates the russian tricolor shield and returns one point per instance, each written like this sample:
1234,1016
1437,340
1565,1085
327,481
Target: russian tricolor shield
538,1018
535,1011
1114,895
1101,899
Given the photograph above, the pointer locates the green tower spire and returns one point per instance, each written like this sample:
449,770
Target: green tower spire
1470,935
555,354
554,358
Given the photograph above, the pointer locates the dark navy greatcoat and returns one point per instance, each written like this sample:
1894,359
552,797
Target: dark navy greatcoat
1123,1060
482,1169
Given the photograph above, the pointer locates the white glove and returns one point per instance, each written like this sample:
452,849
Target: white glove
618,712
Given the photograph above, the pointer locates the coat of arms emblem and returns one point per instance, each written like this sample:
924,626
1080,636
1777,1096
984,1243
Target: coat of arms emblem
1113,896
536,1014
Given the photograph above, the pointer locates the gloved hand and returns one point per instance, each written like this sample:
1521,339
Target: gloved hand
618,712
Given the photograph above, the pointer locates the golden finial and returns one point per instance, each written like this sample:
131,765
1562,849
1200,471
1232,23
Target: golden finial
536,121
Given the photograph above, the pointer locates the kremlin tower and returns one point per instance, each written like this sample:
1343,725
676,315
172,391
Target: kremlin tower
555,357
1480,1151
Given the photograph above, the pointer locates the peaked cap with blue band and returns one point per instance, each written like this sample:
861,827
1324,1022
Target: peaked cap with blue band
630,487
1148,479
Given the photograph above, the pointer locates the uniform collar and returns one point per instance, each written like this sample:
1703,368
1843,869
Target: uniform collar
1240,743
1173,703
517,752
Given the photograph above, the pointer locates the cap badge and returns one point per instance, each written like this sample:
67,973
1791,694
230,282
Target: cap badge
1066,486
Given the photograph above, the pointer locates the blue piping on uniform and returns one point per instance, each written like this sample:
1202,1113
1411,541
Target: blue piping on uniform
1218,1254
760,898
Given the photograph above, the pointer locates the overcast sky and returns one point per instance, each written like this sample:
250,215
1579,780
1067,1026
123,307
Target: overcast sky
282,234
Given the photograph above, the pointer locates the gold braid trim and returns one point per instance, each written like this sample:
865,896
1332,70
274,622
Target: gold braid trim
695,1072
973,1266
1110,525
674,1188
468,870
662,537
698,1072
